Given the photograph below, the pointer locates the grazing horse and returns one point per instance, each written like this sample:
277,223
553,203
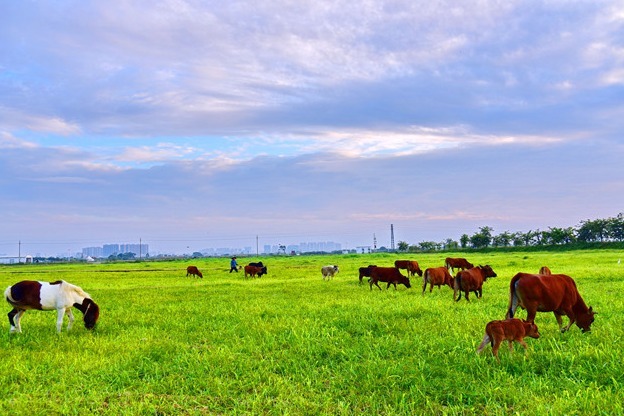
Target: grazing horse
44,296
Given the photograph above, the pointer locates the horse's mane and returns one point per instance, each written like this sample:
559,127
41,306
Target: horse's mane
68,287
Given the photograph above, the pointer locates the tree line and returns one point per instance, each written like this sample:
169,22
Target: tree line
588,231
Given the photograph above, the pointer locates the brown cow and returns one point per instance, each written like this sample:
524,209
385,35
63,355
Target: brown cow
471,280
193,271
457,263
544,270
255,270
437,276
390,275
411,266
555,293
511,330
365,272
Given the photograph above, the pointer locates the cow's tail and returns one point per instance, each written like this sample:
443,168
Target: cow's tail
8,297
486,340
425,278
513,297
457,286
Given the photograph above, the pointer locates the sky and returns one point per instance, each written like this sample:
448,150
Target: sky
188,125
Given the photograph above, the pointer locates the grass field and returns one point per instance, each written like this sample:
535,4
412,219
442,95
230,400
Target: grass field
291,343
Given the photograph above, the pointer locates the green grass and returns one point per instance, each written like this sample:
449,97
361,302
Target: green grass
291,343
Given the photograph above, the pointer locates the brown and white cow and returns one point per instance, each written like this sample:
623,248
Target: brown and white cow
437,276
555,293
457,263
390,275
365,272
471,280
329,272
511,330
193,271
411,266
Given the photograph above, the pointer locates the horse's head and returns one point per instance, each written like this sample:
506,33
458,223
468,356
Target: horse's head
90,311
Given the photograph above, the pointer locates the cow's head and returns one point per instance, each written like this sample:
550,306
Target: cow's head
487,271
584,320
530,329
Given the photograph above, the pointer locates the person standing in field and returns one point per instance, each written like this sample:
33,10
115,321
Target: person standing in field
233,265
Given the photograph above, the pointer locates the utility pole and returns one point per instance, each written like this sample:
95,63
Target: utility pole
19,251
257,252
392,237
140,248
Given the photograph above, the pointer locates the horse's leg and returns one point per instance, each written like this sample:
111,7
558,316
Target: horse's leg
11,316
70,315
60,314
18,319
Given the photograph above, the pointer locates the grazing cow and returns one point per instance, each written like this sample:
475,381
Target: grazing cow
411,266
555,293
437,276
255,270
390,275
511,330
544,270
193,271
365,272
471,280
329,271
44,296
457,263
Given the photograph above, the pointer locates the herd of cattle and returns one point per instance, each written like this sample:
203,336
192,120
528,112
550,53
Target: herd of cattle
541,292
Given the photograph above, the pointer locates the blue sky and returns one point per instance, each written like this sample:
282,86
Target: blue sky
196,124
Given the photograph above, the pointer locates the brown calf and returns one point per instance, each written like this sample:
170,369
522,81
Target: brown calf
511,330
193,271
437,276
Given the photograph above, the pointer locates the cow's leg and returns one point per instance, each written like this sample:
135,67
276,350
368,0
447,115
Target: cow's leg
60,314
495,349
510,342
572,318
480,293
524,344
455,294
467,293
70,317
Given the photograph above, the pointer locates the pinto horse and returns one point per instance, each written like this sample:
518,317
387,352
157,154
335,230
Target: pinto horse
44,296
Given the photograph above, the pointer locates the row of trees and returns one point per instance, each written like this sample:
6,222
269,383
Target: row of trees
589,231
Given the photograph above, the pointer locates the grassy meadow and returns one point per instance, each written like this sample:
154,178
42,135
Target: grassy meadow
291,343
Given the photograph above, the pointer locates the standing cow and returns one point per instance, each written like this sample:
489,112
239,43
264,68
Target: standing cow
254,271
457,263
437,276
365,272
411,266
471,280
329,271
390,275
555,293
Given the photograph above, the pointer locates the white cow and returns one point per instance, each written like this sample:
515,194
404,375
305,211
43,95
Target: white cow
329,271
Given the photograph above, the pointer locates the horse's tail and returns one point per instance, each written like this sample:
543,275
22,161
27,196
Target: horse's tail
8,296
513,297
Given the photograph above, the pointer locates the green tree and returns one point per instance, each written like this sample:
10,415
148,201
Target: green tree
402,245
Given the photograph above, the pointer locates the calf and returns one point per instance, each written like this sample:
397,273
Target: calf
390,275
511,330
193,271
437,276
329,271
